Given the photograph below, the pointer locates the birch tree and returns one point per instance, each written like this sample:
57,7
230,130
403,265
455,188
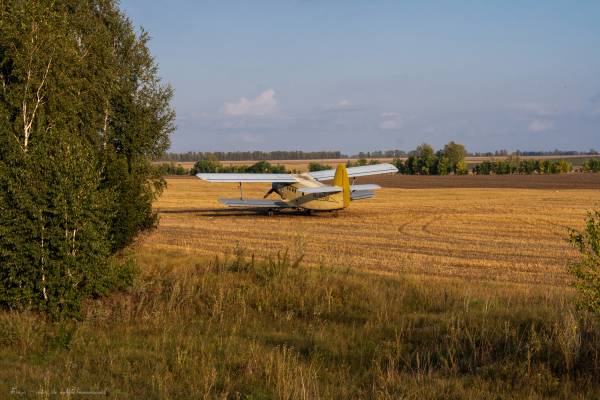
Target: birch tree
82,113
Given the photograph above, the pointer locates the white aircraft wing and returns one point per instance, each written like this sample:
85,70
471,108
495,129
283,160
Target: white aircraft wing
254,203
258,178
354,172
358,188
321,189
361,195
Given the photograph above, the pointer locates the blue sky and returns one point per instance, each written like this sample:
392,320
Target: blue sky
367,75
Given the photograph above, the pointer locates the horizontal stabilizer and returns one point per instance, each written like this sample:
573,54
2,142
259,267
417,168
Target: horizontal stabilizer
321,189
254,203
257,178
361,195
354,188
355,172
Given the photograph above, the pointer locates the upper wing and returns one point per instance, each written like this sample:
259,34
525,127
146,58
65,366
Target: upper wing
354,172
283,178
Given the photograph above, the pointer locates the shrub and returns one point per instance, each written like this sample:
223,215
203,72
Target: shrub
587,270
172,169
592,165
360,162
315,166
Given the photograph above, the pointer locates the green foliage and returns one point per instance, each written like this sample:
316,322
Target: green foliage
315,166
424,161
442,165
361,162
455,154
265,167
514,165
461,168
212,165
82,113
587,270
206,166
592,165
172,169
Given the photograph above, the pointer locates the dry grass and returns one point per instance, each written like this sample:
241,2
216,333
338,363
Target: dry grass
485,234
242,329
429,294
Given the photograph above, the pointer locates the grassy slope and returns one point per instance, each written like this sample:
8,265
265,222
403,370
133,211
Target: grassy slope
238,329
462,295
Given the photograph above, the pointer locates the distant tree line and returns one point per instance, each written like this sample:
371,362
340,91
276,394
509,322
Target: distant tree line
381,154
328,155
424,160
556,152
514,165
82,114
253,155
213,165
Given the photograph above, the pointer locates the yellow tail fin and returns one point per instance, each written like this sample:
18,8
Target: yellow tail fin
341,179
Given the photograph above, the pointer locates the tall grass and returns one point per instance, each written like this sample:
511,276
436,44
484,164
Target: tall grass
237,327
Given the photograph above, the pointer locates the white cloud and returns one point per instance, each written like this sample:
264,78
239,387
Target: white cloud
538,109
540,125
391,120
342,105
389,124
263,105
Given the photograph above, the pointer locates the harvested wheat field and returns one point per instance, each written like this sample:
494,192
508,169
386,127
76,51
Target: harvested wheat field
508,235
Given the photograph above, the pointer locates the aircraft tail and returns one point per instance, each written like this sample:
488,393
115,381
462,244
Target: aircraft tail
341,179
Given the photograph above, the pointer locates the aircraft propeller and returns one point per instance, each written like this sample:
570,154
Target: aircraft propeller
274,188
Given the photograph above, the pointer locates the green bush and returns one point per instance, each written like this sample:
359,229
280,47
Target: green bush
361,162
592,165
315,166
172,169
587,270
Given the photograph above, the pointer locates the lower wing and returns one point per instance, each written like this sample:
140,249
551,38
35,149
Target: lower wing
254,203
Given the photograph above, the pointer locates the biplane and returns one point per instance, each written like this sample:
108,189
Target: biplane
305,191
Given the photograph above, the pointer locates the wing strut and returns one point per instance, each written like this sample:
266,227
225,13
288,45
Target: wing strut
241,192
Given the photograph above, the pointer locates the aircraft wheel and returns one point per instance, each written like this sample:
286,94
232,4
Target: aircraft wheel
270,213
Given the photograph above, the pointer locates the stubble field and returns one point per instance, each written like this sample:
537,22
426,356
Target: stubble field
417,293
497,234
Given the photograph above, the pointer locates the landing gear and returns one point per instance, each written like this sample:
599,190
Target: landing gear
270,213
